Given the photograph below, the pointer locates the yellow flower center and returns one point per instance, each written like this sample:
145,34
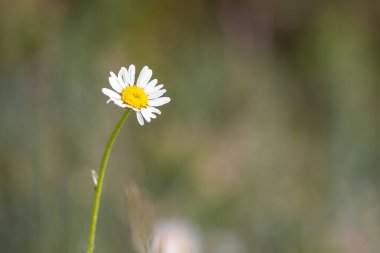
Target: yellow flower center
134,96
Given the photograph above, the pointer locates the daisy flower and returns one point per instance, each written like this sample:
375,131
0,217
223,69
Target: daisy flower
143,96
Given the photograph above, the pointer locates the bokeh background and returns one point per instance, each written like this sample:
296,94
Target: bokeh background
271,142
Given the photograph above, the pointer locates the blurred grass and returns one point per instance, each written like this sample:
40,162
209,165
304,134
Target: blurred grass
272,134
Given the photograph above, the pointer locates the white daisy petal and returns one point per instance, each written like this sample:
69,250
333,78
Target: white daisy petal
154,109
131,72
147,79
154,89
120,78
150,85
115,84
145,113
120,75
142,73
159,101
157,94
140,118
111,93
118,102
144,77
117,81
150,113
123,75
128,106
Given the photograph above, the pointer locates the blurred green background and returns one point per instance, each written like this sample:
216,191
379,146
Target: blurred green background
271,142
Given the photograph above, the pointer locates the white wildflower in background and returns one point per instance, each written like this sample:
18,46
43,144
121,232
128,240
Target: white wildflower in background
143,96
175,237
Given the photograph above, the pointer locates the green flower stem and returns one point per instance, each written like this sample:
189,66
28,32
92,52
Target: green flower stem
98,188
